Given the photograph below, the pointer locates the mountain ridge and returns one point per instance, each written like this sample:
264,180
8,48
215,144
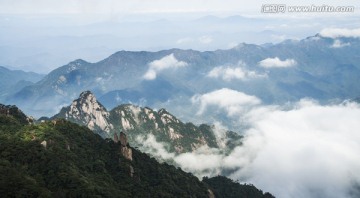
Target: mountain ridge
120,77
140,122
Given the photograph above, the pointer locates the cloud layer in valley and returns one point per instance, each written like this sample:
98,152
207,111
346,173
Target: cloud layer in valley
340,32
164,63
228,73
338,44
299,150
277,63
233,102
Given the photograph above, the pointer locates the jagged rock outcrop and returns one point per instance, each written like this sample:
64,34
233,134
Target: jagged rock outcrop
123,139
131,171
116,138
140,122
165,127
125,149
86,110
211,194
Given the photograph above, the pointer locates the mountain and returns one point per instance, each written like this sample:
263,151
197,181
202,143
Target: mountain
62,159
86,110
315,67
12,81
138,123
13,111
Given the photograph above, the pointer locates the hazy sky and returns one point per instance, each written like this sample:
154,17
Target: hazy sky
121,7
41,35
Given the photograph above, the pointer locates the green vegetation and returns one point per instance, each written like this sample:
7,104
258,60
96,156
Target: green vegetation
226,188
63,159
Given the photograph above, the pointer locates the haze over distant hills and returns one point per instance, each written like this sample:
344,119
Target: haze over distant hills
12,81
317,67
41,43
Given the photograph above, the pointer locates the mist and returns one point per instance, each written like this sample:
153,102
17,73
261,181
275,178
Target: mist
297,150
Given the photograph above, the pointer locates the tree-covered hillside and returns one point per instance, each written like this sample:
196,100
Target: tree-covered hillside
62,159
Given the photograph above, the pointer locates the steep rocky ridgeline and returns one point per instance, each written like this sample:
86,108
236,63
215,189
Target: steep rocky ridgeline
138,123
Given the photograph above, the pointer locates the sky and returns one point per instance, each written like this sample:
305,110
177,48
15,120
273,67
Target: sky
42,35
121,7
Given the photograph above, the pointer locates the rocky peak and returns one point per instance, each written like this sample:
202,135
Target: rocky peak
86,110
166,117
86,94
162,111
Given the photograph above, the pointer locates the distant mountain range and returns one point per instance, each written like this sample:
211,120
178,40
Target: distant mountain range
138,123
322,68
11,81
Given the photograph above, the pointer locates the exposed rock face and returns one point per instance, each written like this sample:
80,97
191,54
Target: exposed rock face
124,147
126,152
44,144
131,171
140,122
123,139
181,137
86,110
211,194
116,138
12,110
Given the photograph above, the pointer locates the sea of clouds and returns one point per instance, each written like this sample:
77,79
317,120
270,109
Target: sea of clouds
303,149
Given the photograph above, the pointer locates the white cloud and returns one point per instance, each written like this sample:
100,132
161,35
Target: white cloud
151,146
184,40
150,75
338,44
340,32
227,73
204,161
308,151
206,39
277,63
164,63
231,73
282,37
231,101
220,134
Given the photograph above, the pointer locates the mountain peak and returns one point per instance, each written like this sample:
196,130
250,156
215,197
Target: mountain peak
87,94
78,61
86,110
162,111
